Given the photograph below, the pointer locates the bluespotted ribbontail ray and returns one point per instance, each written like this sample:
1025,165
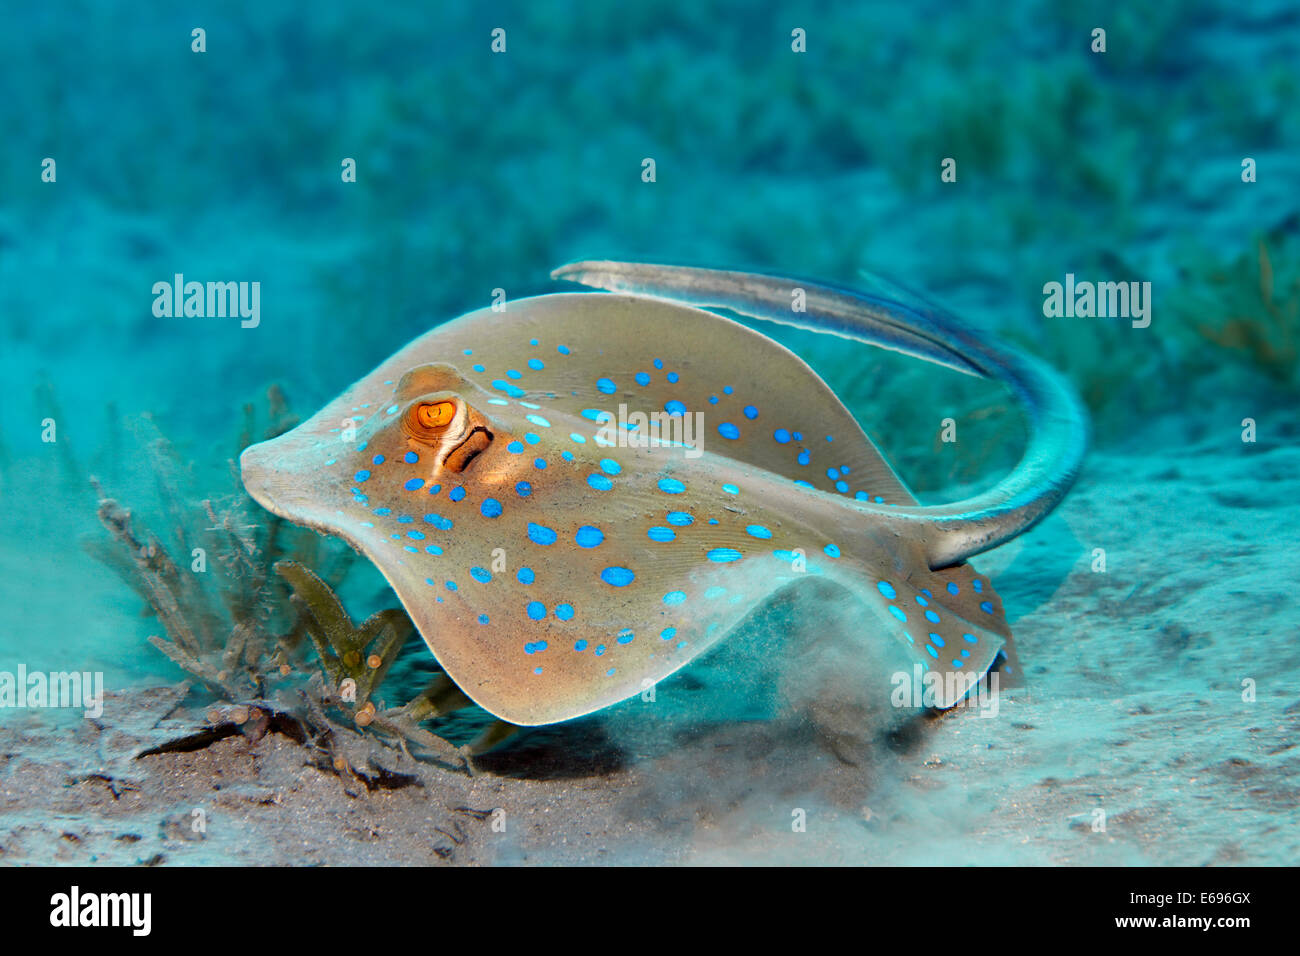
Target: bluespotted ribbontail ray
555,565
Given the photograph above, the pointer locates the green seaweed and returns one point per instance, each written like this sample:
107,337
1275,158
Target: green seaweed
1249,308
362,655
263,628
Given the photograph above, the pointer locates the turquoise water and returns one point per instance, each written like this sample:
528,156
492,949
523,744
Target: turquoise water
1170,159
478,171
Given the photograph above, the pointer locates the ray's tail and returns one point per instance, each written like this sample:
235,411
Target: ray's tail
1058,423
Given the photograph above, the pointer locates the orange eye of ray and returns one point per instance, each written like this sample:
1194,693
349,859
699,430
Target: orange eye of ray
435,414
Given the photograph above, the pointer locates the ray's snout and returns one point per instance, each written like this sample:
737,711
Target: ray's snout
291,475
254,472
273,475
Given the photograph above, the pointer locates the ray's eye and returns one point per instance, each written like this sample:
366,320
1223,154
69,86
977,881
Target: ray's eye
435,414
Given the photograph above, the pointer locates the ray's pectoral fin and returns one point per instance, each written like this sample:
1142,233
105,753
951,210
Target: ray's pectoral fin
954,623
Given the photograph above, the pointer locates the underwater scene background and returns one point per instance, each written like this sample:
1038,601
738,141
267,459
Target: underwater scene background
1154,611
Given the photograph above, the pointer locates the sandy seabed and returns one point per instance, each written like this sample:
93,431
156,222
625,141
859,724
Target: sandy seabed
1134,741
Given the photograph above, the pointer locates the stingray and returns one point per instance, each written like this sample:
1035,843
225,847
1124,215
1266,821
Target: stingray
575,496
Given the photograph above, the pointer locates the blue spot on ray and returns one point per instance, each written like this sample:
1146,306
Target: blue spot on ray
514,391
540,534
617,577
